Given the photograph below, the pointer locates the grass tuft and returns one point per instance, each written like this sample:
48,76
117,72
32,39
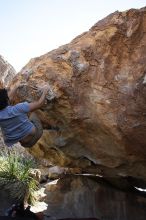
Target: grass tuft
15,176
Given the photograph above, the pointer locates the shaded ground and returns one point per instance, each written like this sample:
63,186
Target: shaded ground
5,202
9,218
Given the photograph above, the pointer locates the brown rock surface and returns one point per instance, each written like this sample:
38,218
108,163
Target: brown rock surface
97,98
82,197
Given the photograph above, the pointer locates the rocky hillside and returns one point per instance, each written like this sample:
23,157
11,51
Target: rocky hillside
7,72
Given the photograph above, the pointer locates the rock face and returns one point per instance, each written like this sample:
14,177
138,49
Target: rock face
97,98
82,197
7,72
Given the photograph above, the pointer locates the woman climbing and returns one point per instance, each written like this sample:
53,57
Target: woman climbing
15,124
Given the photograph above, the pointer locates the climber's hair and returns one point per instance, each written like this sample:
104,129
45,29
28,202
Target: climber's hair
4,99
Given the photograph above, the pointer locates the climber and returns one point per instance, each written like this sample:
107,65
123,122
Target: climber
15,124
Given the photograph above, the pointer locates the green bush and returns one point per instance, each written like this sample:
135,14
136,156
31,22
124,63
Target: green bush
15,176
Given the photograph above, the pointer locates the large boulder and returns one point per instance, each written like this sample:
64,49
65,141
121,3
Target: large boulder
97,98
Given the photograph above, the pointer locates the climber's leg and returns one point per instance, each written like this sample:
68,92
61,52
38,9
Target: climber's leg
38,133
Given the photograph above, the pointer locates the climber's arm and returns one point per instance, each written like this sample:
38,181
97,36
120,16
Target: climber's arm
38,104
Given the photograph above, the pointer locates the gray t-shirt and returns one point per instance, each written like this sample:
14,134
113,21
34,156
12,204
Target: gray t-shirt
15,123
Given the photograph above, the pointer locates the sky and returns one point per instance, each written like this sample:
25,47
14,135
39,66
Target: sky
31,28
